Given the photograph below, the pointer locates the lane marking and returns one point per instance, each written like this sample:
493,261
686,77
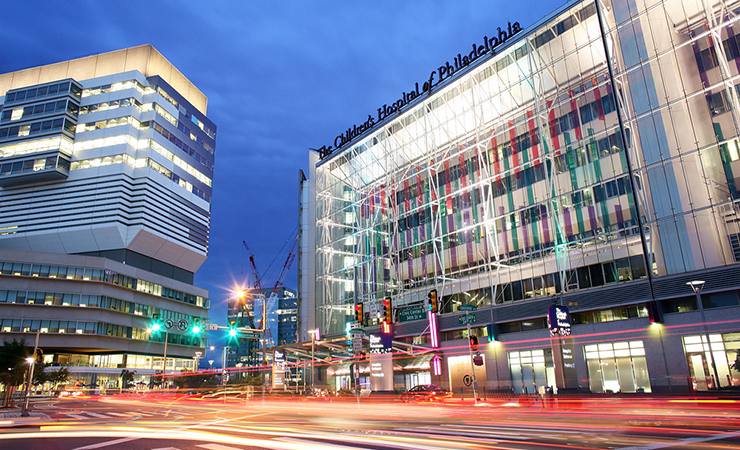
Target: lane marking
217,447
684,441
107,444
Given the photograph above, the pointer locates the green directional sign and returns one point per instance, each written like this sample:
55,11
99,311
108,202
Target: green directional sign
250,335
467,308
466,319
411,314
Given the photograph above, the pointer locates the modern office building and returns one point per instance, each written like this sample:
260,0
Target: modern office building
286,317
246,312
106,169
587,161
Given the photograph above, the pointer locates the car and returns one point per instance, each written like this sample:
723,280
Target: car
229,394
426,392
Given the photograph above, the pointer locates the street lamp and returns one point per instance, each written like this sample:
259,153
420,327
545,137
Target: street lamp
697,286
314,334
29,381
32,362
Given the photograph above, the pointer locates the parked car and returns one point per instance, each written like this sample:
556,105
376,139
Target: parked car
426,392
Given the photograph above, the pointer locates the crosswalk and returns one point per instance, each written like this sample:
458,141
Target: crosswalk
86,415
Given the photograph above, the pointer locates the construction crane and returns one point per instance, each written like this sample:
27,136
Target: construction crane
270,302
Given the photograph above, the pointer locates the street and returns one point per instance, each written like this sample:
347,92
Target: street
149,422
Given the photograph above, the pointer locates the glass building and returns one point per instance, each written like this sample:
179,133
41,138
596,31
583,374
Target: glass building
106,168
588,161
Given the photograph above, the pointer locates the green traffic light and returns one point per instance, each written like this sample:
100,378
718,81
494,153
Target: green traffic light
155,327
232,332
196,329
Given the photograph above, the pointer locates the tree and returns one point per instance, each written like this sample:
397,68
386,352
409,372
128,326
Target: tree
191,380
13,366
127,378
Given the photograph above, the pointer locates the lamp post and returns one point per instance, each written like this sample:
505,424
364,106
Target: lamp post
697,286
32,364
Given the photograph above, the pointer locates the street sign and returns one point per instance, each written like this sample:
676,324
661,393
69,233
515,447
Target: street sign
182,324
467,308
357,342
354,325
466,319
411,314
250,335
213,327
169,324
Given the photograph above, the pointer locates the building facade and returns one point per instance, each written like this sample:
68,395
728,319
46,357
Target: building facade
587,161
106,169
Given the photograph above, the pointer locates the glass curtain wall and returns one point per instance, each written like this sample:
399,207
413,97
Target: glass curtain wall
515,178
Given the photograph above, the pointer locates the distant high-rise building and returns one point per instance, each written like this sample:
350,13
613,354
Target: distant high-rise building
282,316
106,168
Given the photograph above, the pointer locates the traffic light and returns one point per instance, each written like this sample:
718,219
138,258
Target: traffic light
432,296
474,343
387,310
196,325
385,328
156,326
358,312
232,328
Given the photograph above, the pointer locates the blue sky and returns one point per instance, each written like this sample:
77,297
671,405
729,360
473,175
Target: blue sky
280,76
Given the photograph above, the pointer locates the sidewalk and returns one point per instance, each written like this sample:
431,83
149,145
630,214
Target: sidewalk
11,417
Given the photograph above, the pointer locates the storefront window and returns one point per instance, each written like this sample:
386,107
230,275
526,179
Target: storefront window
531,370
617,367
724,348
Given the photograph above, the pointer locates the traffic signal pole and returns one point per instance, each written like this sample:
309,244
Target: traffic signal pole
472,365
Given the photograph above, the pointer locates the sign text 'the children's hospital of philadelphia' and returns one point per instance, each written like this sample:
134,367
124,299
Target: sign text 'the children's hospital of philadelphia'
435,77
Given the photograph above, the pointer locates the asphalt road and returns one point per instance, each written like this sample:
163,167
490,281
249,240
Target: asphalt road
171,423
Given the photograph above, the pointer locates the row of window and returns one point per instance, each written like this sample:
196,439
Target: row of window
55,89
709,301
205,145
34,165
97,328
204,127
181,145
623,269
137,163
46,126
118,86
62,143
39,110
88,274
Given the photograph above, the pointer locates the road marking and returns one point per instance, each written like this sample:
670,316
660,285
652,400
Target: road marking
684,441
216,447
107,444
77,416
102,416
120,414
